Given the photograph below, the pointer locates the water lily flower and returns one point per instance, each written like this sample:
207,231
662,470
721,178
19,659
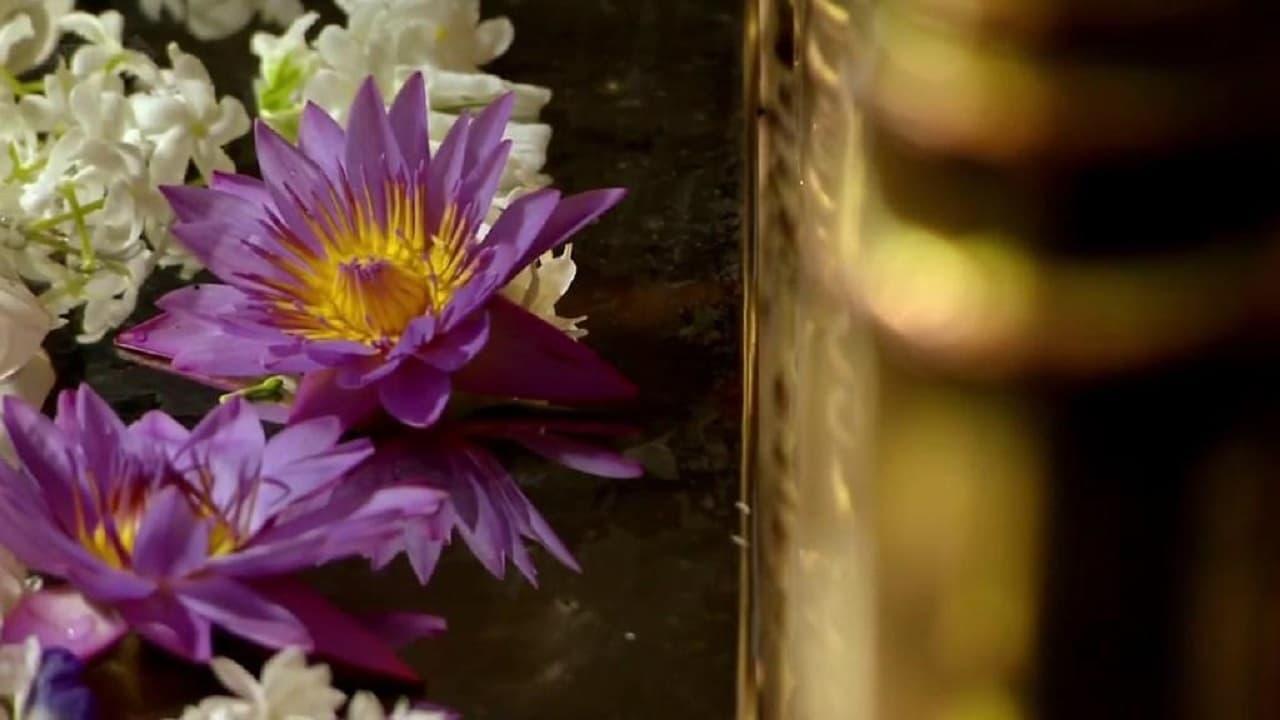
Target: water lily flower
485,506
169,531
361,263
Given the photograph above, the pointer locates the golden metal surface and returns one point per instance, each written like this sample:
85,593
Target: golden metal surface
987,478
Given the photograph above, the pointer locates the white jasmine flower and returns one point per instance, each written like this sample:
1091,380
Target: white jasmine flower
82,151
187,121
18,667
289,688
365,706
217,19
104,48
287,61
540,286
29,32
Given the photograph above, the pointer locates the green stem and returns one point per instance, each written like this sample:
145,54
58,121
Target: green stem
82,230
52,222
271,389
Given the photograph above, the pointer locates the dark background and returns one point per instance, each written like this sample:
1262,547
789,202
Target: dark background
647,97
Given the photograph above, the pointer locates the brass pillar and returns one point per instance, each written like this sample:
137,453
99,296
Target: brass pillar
1012,431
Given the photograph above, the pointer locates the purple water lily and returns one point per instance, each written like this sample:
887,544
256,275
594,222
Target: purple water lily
170,531
485,506
361,263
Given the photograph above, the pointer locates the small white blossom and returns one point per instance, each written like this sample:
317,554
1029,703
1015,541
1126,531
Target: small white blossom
291,690
19,664
187,121
217,19
365,706
29,32
540,286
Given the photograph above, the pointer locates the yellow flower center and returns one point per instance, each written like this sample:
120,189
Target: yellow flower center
369,279
125,508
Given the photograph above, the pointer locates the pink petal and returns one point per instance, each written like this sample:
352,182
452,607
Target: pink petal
63,618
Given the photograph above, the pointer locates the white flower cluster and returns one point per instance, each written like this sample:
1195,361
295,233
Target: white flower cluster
289,688
83,151
217,19
390,40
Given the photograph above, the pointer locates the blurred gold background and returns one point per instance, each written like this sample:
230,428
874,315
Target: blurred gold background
1012,424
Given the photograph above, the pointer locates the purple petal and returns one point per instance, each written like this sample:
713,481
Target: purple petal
415,394
164,621
227,444
528,358
459,345
335,635
401,628
408,118
172,541
420,331
293,180
238,609
300,442
486,131
481,185
445,177
62,618
244,187
319,395
284,166
193,204
322,139
155,342
42,449
222,355
208,302
372,155
161,336
155,427
571,215
423,550
517,228
581,456
332,353
362,373
103,439
216,229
